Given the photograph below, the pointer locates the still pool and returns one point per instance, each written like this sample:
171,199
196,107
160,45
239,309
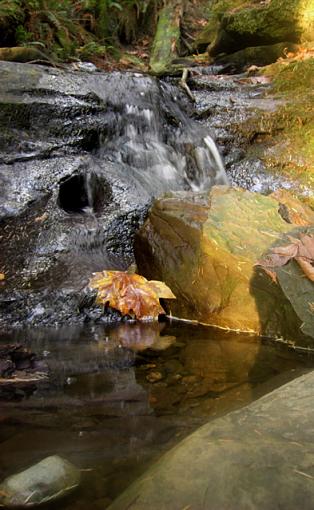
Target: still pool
118,397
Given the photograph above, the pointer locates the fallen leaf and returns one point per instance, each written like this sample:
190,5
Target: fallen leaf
2,276
131,294
300,249
306,267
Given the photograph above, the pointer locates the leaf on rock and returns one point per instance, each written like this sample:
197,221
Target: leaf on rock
131,294
306,267
300,249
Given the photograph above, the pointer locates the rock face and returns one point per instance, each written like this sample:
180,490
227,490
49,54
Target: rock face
81,156
205,247
232,29
48,480
257,458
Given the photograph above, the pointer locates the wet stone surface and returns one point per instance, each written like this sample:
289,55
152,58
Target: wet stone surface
227,103
81,157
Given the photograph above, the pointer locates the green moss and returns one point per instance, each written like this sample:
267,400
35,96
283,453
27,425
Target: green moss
166,39
295,76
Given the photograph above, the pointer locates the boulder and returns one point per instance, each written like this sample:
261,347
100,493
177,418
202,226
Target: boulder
50,479
205,248
234,27
257,55
258,458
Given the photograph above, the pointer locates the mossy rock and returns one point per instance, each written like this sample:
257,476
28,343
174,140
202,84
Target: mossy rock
288,149
233,27
50,479
257,55
205,248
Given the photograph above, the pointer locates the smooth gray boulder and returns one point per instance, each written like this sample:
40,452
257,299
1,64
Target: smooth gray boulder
49,479
260,457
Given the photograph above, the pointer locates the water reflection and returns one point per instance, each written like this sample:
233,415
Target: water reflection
117,397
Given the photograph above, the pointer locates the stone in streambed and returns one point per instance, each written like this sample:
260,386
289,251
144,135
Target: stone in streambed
50,479
259,458
206,246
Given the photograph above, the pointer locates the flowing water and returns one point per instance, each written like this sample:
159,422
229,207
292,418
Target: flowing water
118,397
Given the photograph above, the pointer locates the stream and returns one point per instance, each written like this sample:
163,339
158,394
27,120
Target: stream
118,396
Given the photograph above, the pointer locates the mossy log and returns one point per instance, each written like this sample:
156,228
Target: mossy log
22,54
167,38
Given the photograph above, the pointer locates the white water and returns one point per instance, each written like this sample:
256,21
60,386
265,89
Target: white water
153,160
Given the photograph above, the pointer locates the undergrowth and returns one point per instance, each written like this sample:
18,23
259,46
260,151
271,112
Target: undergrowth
62,27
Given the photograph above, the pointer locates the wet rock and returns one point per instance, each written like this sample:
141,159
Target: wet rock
50,479
258,457
292,210
205,248
21,372
153,377
81,157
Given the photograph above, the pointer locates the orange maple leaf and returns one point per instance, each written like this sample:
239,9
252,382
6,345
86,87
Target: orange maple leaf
131,294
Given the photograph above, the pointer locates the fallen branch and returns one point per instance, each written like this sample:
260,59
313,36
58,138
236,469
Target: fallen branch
183,84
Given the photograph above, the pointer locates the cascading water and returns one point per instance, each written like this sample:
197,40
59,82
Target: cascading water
114,142
148,146
163,157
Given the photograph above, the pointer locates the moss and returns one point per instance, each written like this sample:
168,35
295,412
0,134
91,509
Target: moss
234,25
167,38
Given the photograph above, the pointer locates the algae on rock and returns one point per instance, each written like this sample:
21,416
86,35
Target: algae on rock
205,248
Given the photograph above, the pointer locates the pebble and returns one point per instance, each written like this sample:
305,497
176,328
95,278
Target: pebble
153,377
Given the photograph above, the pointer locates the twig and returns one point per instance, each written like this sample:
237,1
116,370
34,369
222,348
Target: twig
183,84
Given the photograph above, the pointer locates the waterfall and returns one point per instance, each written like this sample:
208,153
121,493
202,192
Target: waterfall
160,158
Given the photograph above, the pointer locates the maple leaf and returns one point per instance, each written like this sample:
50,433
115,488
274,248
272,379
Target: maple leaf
131,294
300,249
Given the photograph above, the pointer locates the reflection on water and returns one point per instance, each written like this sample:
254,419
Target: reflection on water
118,397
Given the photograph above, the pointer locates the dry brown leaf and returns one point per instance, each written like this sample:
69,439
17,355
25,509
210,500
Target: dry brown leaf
301,250
130,293
306,267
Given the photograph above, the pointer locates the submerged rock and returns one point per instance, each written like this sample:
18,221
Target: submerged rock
50,479
259,457
206,246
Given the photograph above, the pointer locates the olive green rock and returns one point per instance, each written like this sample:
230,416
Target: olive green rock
50,479
257,55
260,457
236,25
205,248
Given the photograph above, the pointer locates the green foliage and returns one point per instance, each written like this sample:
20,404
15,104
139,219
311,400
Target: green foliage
64,26
11,9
